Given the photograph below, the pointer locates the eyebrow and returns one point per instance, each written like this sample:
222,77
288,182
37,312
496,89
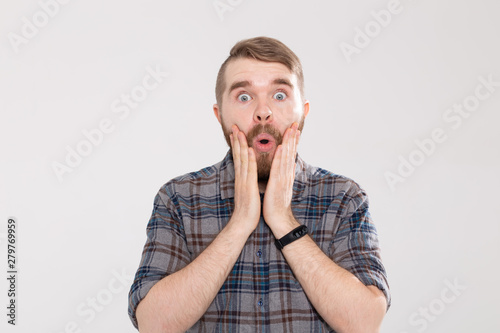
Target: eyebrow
283,81
246,83
239,84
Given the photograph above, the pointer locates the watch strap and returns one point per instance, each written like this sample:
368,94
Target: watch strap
292,236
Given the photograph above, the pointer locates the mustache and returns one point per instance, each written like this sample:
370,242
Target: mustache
268,129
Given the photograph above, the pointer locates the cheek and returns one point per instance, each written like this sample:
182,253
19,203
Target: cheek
229,121
290,114
242,119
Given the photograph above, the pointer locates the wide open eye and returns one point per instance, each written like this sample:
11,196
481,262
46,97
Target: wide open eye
279,96
244,97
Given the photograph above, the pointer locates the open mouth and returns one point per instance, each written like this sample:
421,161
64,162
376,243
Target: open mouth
264,143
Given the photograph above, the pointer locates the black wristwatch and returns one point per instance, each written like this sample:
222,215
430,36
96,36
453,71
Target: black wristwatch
291,236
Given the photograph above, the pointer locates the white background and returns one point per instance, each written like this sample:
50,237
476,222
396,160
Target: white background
438,227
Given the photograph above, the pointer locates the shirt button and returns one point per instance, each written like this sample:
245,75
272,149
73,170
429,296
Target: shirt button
259,253
260,303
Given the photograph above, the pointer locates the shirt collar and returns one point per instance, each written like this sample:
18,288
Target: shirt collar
226,177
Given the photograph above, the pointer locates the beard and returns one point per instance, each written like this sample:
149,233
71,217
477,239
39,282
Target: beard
264,160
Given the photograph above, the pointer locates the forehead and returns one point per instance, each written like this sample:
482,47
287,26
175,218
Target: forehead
257,73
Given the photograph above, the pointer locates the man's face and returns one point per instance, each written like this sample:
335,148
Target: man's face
263,99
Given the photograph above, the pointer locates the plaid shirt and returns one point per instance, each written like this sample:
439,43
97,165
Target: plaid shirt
261,294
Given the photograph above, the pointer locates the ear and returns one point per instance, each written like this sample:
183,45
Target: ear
217,113
306,108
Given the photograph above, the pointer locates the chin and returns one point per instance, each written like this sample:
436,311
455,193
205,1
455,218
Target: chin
264,162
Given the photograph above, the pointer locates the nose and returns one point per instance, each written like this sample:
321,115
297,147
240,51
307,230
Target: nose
263,114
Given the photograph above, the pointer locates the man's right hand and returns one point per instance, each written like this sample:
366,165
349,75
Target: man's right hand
247,204
180,299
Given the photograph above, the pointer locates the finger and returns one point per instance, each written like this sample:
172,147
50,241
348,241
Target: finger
285,148
291,133
243,153
288,148
276,164
294,143
295,136
252,165
295,147
236,149
231,138
293,155
288,160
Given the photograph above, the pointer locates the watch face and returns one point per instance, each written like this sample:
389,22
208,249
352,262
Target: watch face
301,232
291,236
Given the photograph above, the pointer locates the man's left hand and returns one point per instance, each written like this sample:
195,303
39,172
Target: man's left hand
277,206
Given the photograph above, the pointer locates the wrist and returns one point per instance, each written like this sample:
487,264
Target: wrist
241,226
291,237
282,226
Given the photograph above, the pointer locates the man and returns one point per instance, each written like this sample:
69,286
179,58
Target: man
211,262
